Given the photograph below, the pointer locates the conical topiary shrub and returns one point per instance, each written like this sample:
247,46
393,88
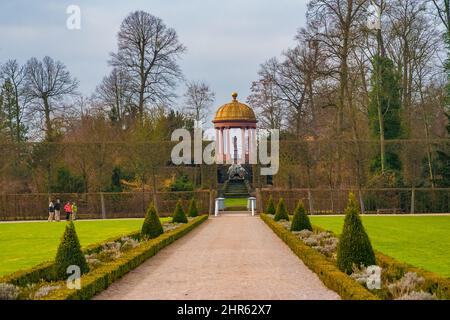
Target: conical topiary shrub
354,245
281,213
69,253
270,206
301,220
193,211
178,215
152,227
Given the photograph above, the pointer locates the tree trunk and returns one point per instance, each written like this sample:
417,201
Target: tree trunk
154,189
48,121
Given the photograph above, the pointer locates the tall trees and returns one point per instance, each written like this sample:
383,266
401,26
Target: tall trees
265,96
198,100
286,90
14,99
443,11
115,95
264,99
47,82
384,111
148,51
336,24
409,27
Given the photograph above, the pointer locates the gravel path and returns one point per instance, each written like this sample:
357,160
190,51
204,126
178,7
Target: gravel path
233,256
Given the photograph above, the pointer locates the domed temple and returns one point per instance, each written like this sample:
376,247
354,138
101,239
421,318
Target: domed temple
230,116
236,145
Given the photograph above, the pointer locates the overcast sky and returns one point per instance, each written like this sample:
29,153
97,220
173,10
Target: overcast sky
226,40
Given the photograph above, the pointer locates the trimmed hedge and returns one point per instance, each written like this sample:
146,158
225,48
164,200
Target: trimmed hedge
178,215
99,279
152,226
270,206
193,211
301,220
69,253
326,270
354,246
45,270
281,212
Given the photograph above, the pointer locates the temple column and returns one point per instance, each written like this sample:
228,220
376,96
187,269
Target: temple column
253,146
247,149
221,147
228,157
217,145
243,145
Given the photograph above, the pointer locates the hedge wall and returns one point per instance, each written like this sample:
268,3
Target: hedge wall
99,279
325,269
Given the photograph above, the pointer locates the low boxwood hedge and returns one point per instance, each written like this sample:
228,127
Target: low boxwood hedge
394,270
44,270
326,270
434,283
99,279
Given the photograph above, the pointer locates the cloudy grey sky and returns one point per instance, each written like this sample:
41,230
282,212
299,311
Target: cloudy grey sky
226,40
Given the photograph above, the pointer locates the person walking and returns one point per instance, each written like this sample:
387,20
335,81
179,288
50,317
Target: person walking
57,208
51,211
68,210
74,211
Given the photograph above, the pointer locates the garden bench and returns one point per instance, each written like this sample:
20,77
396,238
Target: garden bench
389,211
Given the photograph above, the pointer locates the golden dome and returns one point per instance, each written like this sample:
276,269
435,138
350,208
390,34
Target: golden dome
235,111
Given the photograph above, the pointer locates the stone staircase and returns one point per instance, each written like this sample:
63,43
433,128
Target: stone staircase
235,189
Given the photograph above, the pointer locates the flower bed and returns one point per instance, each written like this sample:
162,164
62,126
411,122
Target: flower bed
108,261
324,267
398,280
428,284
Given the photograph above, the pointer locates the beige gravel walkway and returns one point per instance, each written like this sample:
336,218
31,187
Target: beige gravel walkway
232,256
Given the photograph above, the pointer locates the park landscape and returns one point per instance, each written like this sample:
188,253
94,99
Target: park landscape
353,112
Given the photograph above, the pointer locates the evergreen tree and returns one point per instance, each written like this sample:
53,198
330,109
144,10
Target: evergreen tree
354,246
270,206
385,102
178,215
193,211
281,212
11,115
116,186
443,162
301,220
66,182
69,253
152,227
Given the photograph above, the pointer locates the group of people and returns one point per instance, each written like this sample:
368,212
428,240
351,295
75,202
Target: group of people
54,210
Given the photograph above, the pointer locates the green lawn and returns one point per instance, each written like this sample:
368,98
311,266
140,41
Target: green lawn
23,245
236,202
420,241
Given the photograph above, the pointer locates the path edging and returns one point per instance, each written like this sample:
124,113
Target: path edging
328,273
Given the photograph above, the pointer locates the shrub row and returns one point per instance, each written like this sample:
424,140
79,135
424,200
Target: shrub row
99,279
394,270
45,270
326,270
